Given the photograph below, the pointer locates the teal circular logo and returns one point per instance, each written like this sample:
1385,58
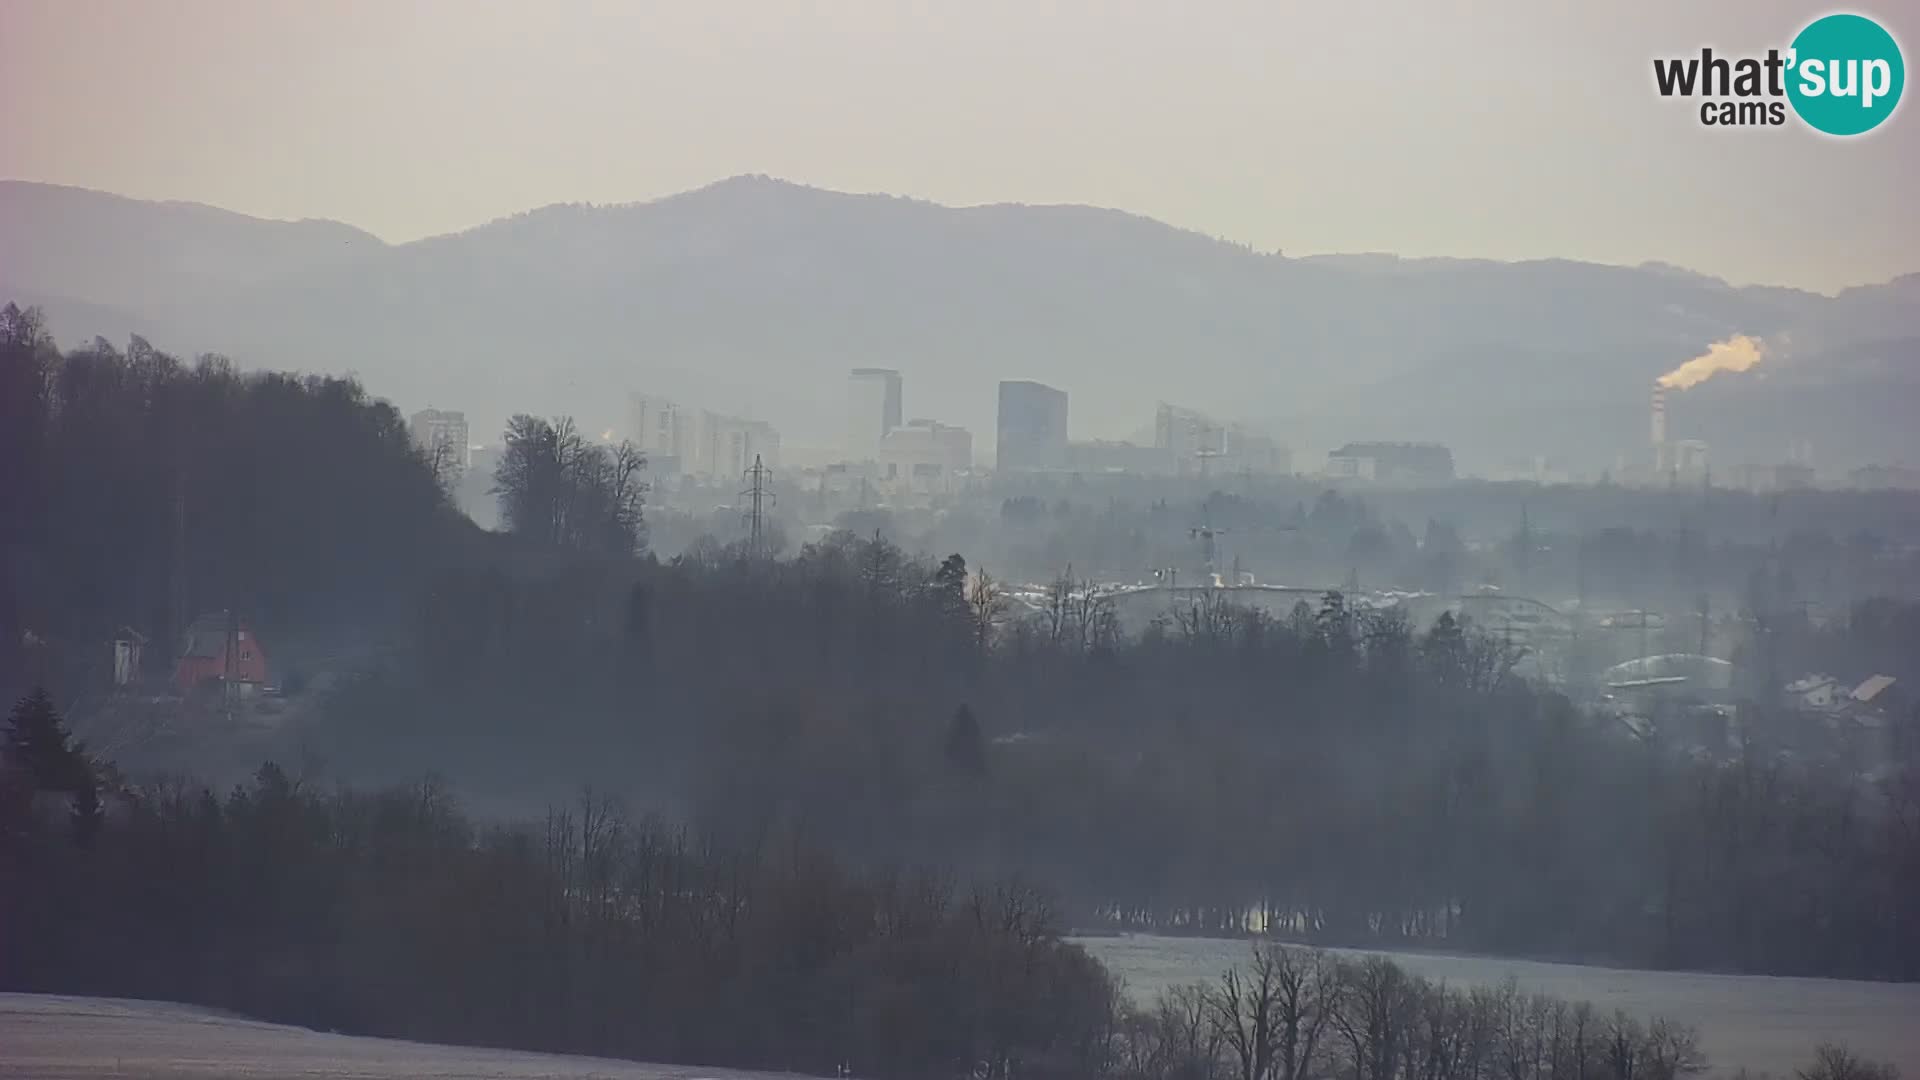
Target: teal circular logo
1845,74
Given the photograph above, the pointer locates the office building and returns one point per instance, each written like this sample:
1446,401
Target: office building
925,457
1032,427
873,409
1190,438
719,447
655,425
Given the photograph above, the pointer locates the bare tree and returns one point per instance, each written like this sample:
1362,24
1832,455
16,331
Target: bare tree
1831,1062
1058,609
560,490
988,606
1374,1015
1176,1040
443,459
1243,1010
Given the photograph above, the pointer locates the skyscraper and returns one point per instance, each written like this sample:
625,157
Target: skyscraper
873,409
1033,426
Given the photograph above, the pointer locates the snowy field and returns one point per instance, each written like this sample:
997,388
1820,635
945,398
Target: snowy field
55,1038
1755,1021
1760,1023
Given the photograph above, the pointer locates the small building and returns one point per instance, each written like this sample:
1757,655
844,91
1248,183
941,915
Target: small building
1878,693
1819,692
220,647
1869,721
128,645
925,457
1411,464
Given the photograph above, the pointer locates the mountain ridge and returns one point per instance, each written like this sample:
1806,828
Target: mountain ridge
1910,279
754,295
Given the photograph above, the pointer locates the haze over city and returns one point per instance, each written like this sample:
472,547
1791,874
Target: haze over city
1000,541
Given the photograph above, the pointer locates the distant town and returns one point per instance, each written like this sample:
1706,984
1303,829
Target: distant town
891,457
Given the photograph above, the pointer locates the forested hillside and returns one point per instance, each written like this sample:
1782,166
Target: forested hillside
142,490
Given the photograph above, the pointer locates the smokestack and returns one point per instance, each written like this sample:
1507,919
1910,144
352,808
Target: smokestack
1659,415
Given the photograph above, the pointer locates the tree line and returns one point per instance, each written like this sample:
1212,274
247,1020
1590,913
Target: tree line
1334,775
140,491
393,913
1298,1014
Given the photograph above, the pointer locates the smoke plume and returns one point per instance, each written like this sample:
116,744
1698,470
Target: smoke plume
1737,353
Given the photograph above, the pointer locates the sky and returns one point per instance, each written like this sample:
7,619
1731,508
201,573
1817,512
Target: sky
1509,129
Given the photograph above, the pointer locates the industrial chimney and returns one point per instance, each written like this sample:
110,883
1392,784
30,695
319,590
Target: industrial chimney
1659,417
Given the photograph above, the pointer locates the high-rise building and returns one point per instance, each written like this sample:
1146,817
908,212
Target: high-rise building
721,447
873,409
1032,427
441,434
1190,438
685,441
655,425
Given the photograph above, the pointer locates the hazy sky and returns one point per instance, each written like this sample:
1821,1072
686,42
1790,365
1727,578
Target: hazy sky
1515,129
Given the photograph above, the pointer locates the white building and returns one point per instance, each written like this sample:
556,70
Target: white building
698,442
442,436
1190,438
655,425
721,447
925,457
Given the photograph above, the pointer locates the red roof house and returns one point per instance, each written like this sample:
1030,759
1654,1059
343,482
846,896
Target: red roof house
220,647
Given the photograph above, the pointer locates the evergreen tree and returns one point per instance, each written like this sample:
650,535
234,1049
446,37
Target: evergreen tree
39,746
966,746
949,588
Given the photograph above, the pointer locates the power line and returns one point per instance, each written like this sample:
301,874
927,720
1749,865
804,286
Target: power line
759,491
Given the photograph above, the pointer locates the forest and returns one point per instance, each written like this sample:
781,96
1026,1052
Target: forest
394,913
919,786
1335,776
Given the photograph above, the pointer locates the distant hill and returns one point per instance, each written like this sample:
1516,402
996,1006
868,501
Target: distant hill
754,295
85,245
